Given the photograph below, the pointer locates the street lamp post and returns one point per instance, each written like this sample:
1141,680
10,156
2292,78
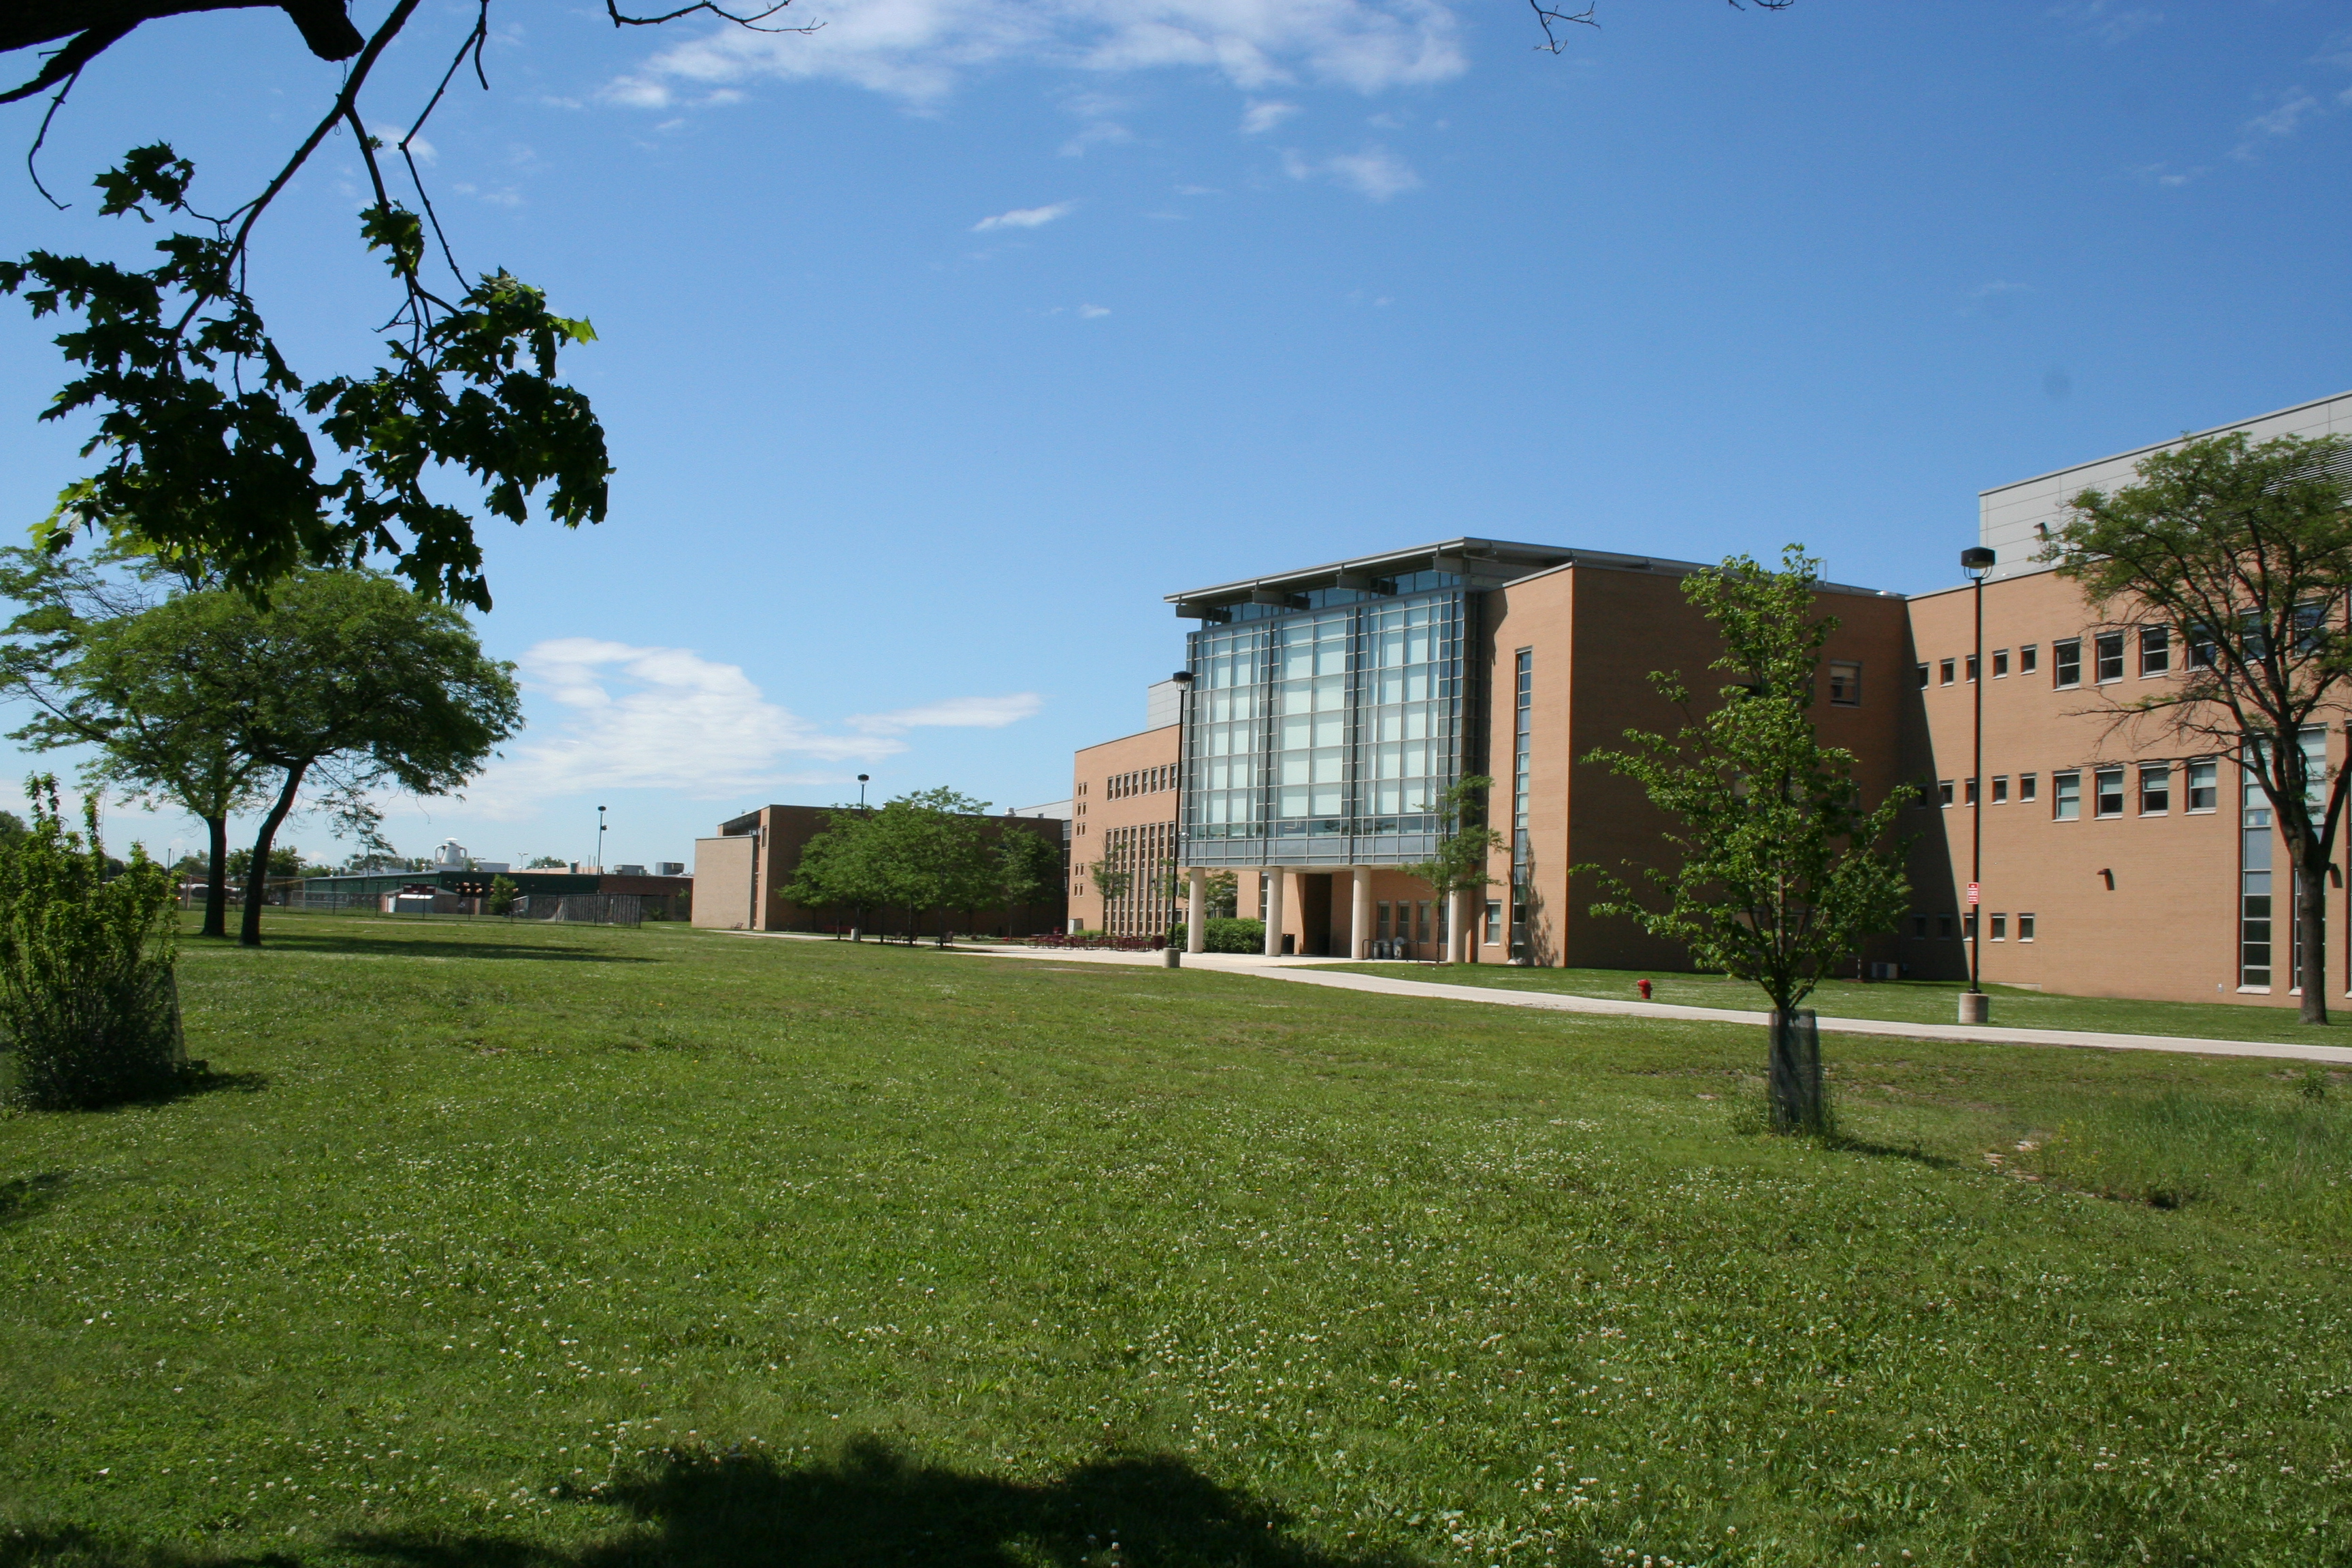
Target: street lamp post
1183,680
1975,1006
861,793
600,840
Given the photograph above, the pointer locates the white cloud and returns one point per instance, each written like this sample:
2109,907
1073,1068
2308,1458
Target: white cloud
1264,114
424,152
1024,218
955,713
1372,173
2293,107
2106,20
1088,312
666,718
919,49
1101,132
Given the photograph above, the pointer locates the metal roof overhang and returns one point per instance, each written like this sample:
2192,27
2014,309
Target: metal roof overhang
1494,561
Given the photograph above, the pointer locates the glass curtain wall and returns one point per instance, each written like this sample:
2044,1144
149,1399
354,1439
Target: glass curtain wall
1325,734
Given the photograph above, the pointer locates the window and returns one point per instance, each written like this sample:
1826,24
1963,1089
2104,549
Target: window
1943,927
2001,789
1422,932
2066,662
2108,648
1383,906
2255,877
2000,663
2107,791
1969,927
1943,791
1919,927
1923,677
2204,785
2025,928
2029,786
2066,796
1972,792
2155,650
1845,684
2029,658
1971,662
2201,651
1493,922
1999,928
1944,673
2156,789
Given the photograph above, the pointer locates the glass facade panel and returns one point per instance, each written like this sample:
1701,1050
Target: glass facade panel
1327,733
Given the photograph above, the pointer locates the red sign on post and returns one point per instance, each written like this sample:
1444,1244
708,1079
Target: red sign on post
1972,895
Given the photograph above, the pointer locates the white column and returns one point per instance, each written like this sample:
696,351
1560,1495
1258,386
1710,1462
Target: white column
1359,913
1196,911
1272,875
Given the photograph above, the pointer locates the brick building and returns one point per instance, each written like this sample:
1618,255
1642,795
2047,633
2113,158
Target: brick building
1330,707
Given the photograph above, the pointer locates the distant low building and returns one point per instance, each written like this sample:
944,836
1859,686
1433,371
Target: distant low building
739,875
672,896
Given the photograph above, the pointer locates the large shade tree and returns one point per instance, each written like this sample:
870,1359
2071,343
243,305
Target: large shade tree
2237,555
105,659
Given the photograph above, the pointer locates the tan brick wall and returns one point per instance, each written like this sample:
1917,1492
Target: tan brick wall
2167,927
1123,794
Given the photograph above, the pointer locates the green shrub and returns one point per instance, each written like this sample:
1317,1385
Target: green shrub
88,1006
1236,936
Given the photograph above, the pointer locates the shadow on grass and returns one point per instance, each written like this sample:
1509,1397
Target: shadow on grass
26,1197
877,1506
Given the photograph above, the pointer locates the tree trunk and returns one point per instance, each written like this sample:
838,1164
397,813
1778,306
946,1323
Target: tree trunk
2311,934
217,878
1795,1077
256,881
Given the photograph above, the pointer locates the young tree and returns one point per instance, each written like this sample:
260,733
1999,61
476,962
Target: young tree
1783,870
930,853
1112,877
837,867
1463,844
2240,554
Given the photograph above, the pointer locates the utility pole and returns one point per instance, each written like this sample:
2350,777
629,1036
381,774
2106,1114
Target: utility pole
1975,1006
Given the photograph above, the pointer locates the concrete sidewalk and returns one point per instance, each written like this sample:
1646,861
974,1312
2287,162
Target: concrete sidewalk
1313,972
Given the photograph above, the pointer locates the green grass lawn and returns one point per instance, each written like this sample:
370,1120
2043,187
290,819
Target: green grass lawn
561,1248
1902,1001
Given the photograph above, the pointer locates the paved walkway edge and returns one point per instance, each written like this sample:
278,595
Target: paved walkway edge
1560,1002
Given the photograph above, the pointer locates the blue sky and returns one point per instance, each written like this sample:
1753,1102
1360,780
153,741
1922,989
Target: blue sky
937,345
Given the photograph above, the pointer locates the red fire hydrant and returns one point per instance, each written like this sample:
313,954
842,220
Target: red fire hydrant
1645,989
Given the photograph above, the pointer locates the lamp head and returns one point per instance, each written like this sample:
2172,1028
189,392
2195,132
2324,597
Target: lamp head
1184,679
863,777
1977,561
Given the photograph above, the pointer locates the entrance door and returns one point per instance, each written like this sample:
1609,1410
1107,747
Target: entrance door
1314,913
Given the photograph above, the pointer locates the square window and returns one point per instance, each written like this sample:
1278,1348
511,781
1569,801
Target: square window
1943,927
1999,928
2029,787
2108,648
2066,796
2204,785
2107,791
1944,673
1971,662
2029,658
1845,684
2066,662
2025,928
2155,650
2000,663
2156,789
2001,789
1923,677
1943,791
